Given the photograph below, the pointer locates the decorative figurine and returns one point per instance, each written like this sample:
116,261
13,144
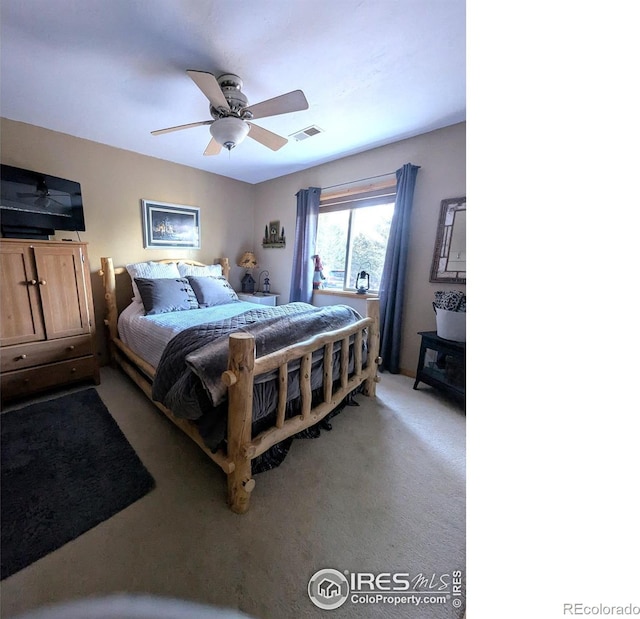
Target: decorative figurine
248,283
318,275
274,235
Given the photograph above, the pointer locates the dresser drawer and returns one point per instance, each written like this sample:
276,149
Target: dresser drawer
38,353
24,382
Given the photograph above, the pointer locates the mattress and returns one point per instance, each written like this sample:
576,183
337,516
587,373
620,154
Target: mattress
147,336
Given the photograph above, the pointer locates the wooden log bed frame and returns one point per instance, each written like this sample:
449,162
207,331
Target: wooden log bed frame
239,377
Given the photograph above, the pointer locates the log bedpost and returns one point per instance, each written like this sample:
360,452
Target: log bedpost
226,267
109,282
373,349
239,378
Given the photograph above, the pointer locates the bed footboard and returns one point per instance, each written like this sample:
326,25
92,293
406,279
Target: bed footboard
239,378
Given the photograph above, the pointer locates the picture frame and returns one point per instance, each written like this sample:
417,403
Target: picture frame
450,254
170,225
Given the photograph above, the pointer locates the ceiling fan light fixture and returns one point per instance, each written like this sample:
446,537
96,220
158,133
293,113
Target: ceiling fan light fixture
229,131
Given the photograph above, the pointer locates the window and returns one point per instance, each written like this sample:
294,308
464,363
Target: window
353,230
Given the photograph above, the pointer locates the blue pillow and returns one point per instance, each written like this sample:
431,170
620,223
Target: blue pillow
163,295
212,291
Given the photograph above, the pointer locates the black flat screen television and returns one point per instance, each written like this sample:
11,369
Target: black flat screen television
34,205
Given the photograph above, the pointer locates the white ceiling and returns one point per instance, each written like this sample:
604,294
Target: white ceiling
111,71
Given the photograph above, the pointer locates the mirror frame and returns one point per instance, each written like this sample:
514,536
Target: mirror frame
448,210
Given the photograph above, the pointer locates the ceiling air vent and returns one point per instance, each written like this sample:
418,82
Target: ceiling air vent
306,133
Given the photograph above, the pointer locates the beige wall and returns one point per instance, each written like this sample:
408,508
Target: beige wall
441,156
113,183
233,214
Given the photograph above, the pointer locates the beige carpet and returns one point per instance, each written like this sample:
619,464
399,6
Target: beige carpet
383,492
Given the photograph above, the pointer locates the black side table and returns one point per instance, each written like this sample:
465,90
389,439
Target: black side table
447,372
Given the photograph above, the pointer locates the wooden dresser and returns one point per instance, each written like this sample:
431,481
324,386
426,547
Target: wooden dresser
47,324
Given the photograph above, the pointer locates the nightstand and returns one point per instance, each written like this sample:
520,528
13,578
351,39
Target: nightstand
262,298
447,371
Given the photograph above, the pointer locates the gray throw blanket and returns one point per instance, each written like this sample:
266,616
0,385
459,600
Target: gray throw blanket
188,377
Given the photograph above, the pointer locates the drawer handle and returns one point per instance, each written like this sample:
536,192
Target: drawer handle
23,356
73,370
43,282
32,282
72,347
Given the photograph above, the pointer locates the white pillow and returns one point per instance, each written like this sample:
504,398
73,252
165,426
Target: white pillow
213,270
150,270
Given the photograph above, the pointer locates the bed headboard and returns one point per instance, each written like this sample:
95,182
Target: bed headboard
108,273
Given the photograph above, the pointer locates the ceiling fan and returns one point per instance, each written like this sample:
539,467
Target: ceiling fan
231,115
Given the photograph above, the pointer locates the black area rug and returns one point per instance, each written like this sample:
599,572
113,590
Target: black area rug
66,467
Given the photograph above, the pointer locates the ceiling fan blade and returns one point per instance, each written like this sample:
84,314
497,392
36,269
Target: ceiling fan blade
213,148
266,138
208,84
180,127
45,202
294,101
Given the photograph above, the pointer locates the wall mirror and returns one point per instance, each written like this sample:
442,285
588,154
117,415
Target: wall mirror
450,253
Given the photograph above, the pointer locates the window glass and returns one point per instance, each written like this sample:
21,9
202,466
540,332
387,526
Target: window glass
351,241
369,235
331,246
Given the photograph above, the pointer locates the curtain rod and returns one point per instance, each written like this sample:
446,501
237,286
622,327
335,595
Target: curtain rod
360,180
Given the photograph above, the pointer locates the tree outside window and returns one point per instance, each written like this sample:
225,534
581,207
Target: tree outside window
351,240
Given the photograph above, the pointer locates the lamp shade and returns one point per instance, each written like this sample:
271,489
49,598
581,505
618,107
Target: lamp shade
229,131
248,260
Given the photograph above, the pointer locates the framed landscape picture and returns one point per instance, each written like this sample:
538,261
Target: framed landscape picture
170,225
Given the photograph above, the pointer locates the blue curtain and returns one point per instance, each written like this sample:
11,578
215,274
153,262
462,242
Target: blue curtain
392,283
308,207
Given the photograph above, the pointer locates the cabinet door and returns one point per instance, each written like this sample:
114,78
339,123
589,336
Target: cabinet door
63,290
21,319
